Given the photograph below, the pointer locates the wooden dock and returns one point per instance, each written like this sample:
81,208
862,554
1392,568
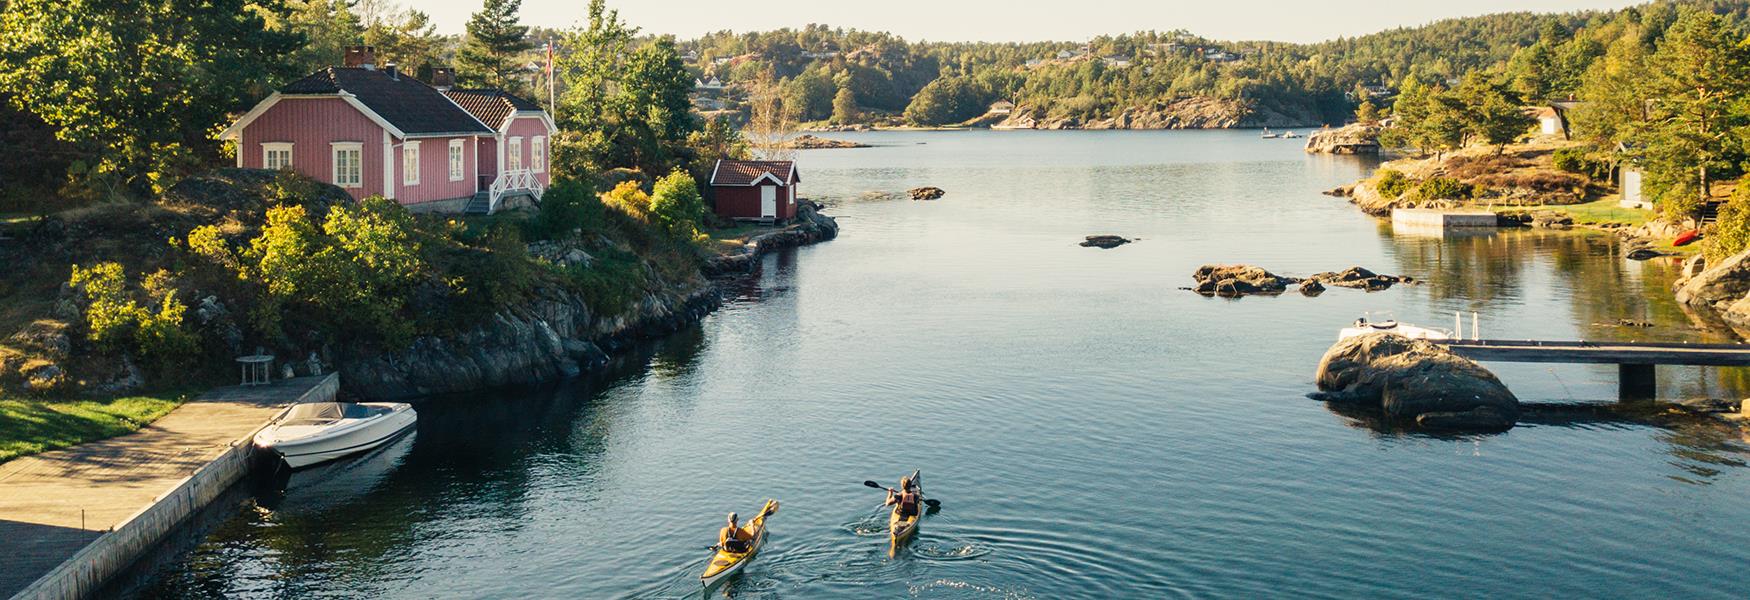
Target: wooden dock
1635,360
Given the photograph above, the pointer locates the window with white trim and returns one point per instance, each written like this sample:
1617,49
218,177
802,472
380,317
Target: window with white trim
276,155
349,164
410,163
538,154
516,154
456,162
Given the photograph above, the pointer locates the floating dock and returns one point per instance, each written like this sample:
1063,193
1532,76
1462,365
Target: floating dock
71,519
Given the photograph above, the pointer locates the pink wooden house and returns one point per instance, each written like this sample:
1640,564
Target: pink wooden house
382,132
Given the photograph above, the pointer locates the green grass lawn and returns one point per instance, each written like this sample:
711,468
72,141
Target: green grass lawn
1604,210
29,426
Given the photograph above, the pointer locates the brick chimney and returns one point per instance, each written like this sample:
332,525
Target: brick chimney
361,56
443,78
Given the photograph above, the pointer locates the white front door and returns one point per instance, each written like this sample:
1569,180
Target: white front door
769,201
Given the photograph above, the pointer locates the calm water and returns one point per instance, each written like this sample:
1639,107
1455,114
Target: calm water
1092,430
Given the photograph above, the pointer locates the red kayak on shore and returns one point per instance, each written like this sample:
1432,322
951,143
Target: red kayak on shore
1688,237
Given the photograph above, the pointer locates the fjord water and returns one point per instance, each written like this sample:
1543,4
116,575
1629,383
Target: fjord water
1091,429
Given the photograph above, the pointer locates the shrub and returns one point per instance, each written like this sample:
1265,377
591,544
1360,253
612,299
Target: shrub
566,207
1579,161
629,198
677,206
1442,188
1731,233
1392,184
118,323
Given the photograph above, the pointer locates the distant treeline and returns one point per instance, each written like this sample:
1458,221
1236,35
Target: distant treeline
937,83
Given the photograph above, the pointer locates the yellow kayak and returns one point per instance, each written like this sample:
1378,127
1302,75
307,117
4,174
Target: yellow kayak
725,563
901,529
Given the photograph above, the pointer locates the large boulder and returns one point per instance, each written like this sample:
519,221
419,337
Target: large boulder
1105,241
1359,278
1415,381
1239,280
1718,287
926,193
1355,138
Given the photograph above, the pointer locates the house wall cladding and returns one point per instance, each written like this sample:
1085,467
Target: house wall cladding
310,124
529,128
434,172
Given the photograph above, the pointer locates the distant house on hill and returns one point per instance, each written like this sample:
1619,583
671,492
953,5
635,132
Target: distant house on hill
1553,119
376,131
1001,107
1117,62
755,190
708,84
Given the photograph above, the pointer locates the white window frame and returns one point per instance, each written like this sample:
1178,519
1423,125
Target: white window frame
410,163
268,149
335,151
458,160
514,154
538,154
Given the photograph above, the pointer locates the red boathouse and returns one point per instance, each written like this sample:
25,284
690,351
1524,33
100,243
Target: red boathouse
755,190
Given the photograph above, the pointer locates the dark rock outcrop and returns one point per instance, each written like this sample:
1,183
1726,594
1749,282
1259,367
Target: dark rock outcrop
1360,278
813,142
1311,287
1355,138
1233,281
1104,241
1549,219
926,193
1415,381
552,337
810,227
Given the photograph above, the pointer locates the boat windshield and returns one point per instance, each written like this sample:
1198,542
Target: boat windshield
324,413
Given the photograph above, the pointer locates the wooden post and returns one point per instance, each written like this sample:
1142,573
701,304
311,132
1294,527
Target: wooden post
1637,382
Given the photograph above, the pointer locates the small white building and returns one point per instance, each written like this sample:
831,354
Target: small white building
1631,188
1001,107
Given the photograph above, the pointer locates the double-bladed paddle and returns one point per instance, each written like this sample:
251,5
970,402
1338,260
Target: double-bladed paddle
931,502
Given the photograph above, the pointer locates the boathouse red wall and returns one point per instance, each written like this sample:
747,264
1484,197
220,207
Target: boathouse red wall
743,202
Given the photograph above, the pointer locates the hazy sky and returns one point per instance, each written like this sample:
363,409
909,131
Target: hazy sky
1022,20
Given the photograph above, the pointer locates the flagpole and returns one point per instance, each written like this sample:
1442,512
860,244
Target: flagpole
552,105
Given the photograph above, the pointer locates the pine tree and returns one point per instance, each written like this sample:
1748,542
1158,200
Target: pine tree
844,107
1691,136
495,39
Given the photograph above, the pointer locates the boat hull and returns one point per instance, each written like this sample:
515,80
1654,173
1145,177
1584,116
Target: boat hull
716,571
363,437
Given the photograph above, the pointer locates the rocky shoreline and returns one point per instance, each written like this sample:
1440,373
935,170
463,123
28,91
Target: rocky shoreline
1188,113
558,335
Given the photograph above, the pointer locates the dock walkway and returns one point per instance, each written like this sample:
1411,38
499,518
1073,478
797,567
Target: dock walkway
70,519
1634,360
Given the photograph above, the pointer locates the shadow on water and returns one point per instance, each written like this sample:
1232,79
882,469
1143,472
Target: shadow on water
467,460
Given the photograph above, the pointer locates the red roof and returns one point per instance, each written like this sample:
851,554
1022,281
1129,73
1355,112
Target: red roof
748,172
491,106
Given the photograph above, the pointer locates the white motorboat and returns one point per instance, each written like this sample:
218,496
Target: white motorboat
1292,135
310,433
1270,136
1372,323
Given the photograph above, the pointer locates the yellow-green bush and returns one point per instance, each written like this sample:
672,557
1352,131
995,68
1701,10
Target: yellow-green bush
1731,233
117,322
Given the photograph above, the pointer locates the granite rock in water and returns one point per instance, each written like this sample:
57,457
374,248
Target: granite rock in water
926,193
1104,241
1233,281
1415,381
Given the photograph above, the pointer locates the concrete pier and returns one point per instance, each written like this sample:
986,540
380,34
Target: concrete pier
1437,220
71,519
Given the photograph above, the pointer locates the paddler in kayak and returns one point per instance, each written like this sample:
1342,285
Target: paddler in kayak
906,497
733,538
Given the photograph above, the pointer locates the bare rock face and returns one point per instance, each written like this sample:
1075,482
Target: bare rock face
1719,286
1350,139
1415,381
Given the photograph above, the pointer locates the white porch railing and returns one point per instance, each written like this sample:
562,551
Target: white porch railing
521,181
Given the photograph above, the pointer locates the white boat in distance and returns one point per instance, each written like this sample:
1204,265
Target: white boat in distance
310,433
1385,323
